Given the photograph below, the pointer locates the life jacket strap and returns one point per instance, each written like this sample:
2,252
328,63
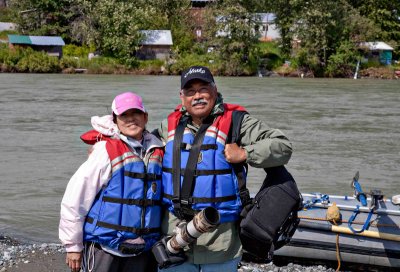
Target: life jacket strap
138,231
195,200
143,176
129,201
201,172
186,146
183,210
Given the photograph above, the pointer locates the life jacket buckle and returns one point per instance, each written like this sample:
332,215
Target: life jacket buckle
187,202
151,177
186,146
245,197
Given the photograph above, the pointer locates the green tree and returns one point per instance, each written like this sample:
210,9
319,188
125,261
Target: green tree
386,16
177,19
320,27
113,26
343,62
231,29
287,12
384,13
45,17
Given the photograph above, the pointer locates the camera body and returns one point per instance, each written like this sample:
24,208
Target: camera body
165,258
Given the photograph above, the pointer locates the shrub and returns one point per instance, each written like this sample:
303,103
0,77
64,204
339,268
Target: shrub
152,67
307,62
271,61
184,61
10,57
69,62
6,15
103,65
76,51
4,34
38,62
343,62
269,48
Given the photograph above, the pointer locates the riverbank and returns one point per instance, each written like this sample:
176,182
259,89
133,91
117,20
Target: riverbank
16,256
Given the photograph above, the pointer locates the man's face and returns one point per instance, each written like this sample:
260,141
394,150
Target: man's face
198,97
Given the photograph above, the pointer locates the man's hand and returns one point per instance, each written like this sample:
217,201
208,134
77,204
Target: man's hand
234,154
74,260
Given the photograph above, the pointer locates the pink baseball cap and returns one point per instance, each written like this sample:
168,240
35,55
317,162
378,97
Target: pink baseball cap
127,101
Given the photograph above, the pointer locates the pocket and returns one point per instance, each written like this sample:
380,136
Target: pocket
272,207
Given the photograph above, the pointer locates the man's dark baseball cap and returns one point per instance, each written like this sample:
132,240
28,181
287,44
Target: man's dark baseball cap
196,72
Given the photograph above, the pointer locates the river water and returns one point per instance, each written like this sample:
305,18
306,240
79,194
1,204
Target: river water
337,126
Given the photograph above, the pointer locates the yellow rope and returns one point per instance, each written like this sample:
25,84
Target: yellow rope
337,249
337,252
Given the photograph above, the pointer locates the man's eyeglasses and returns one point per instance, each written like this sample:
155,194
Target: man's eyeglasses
193,91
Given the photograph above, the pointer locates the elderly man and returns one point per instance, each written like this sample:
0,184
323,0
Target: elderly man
199,167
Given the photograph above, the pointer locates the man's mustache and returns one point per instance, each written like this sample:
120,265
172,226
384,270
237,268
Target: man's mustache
199,101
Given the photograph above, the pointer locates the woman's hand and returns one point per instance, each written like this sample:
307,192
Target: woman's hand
74,260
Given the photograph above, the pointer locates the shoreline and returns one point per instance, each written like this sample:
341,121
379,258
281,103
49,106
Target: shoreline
378,73
34,257
16,256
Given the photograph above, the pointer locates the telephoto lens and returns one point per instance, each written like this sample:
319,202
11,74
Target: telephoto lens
205,221
169,250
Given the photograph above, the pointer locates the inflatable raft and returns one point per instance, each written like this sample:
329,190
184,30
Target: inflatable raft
366,229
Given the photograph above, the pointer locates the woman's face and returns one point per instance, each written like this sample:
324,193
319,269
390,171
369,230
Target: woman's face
132,123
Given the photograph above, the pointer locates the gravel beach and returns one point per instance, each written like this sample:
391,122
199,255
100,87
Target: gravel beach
18,256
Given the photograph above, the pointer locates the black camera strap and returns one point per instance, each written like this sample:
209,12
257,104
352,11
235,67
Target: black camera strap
176,164
240,169
191,165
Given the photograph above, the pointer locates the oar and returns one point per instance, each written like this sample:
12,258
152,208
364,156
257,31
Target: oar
338,229
362,209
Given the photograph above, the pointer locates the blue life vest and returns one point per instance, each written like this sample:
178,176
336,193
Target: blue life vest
130,205
215,181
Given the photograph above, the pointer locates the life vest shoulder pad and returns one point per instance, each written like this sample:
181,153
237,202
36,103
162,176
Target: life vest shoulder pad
92,136
175,116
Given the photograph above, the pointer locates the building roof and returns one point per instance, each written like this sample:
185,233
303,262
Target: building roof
157,37
7,26
377,46
36,40
266,17
261,17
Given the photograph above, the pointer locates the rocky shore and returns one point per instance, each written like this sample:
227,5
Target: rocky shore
18,256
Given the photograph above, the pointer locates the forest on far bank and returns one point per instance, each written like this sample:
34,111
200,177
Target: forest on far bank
319,38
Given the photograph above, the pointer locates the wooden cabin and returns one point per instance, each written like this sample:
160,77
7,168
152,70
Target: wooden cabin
52,45
379,51
156,44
